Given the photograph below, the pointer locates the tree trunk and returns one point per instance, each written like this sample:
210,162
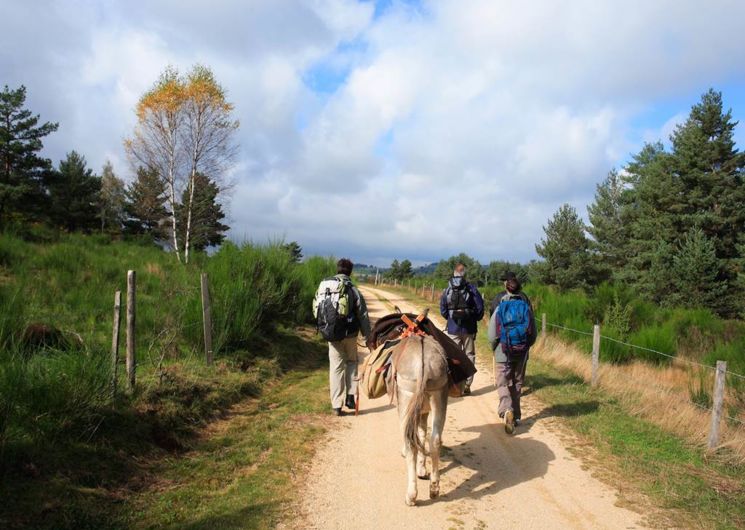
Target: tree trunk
187,243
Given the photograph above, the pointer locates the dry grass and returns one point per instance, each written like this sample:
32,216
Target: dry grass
658,394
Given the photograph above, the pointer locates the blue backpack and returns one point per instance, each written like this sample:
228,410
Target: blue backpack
516,320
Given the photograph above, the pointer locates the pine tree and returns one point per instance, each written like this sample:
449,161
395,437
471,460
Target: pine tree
695,273
74,195
648,211
405,270
206,215
112,200
395,270
565,250
608,226
699,185
146,197
295,251
22,170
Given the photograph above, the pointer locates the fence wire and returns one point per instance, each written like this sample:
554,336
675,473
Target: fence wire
673,357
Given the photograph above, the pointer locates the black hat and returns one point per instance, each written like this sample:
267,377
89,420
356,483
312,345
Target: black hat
509,275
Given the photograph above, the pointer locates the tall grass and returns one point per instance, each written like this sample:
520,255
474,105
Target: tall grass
62,394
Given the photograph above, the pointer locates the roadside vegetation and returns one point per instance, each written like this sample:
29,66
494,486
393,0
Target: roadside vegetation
69,451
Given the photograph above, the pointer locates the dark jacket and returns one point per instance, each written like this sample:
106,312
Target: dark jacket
495,326
468,325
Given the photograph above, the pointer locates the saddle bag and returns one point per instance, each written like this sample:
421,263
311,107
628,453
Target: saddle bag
377,366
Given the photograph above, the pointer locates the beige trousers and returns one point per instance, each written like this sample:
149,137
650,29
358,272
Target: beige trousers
468,345
342,370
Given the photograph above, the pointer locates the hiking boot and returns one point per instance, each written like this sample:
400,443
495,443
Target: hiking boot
467,391
338,412
509,422
350,401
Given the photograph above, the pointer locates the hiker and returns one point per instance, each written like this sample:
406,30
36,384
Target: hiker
462,305
341,313
511,333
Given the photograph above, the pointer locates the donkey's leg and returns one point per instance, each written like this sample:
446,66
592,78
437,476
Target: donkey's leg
421,461
439,401
410,452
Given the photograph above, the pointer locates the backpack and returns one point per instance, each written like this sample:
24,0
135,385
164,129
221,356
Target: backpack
458,299
332,308
515,319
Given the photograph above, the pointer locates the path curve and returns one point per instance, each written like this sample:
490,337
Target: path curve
489,480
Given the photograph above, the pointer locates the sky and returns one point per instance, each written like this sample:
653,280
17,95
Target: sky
389,129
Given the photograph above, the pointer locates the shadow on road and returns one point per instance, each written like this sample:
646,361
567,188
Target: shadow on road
496,469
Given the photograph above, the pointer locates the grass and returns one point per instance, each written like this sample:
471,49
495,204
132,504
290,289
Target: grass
701,491
155,463
240,473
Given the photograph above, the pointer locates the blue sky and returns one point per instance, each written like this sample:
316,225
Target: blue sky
391,129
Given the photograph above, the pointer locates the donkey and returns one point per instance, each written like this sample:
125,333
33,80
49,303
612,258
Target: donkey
421,387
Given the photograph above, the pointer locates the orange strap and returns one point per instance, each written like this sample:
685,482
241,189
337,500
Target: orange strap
412,326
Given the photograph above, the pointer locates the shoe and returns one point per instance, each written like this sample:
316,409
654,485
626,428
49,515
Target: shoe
509,422
350,402
339,412
467,391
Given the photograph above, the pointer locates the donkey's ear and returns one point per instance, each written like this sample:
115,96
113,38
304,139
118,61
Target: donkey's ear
397,309
426,312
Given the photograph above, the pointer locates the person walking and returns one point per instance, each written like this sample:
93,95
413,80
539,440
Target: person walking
462,305
341,314
511,333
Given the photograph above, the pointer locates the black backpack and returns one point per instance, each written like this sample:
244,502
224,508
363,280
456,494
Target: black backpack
458,298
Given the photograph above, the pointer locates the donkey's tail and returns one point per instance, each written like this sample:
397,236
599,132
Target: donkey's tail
413,411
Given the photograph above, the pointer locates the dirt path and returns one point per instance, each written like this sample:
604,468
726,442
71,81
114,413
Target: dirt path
490,480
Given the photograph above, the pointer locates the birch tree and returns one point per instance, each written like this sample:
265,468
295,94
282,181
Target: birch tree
207,138
156,142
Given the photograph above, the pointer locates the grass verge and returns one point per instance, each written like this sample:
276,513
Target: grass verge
695,491
206,447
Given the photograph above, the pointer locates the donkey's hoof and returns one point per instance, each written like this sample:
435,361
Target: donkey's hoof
410,500
423,476
434,491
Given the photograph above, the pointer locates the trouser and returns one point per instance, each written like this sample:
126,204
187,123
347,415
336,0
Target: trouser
510,379
342,370
467,343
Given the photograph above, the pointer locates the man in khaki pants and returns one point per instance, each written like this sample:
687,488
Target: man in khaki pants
341,314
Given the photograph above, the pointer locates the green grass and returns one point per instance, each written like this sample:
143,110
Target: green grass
241,476
701,492
152,464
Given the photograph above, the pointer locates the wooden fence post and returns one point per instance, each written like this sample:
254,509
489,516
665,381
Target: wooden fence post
131,358
595,354
115,340
433,292
543,325
206,319
716,410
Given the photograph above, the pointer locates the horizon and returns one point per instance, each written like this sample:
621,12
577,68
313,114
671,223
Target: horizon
390,130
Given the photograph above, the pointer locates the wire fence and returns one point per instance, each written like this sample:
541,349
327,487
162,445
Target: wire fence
690,362
644,348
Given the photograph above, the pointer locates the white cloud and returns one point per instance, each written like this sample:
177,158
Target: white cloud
462,124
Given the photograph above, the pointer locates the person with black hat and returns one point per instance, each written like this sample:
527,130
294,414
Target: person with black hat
511,333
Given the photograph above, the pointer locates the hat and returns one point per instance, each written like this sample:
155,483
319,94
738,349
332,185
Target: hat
509,275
